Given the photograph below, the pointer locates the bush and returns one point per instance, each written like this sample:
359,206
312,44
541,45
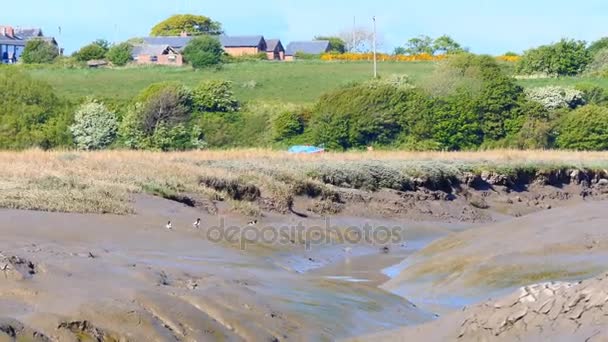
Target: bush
584,129
287,125
565,58
360,115
94,127
598,46
593,94
215,96
554,97
120,54
177,138
160,106
203,51
38,51
91,52
599,64
31,115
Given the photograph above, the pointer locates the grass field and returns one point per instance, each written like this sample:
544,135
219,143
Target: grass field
299,82
102,182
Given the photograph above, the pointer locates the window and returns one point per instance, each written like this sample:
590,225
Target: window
153,59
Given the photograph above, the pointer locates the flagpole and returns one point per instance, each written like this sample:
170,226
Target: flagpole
375,54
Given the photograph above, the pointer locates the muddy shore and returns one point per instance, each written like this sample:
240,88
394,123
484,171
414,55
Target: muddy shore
71,277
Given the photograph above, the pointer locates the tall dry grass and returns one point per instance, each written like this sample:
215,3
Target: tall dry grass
103,182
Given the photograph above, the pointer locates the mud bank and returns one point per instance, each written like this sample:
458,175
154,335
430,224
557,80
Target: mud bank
71,277
556,311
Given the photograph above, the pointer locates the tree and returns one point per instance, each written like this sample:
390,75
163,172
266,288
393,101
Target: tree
399,51
90,52
103,43
31,115
215,96
598,46
286,125
420,45
39,51
94,127
584,129
599,65
336,44
156,111
203,52
565,58
193,25
359,39
120,54
446,45
555,97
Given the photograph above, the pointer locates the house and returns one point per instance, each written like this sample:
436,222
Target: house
275,50
157,54
314,47
13,41
233,45
243,45
178,43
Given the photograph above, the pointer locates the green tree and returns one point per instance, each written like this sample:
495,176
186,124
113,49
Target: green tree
31,115
161,106
193,25
336,44
599,65
457,122
38,51
400,50
565,58
90,52
204,51
120,54
584,129
420,45
446,45
215,96
287,125
94,127
598,46
103,43
360,115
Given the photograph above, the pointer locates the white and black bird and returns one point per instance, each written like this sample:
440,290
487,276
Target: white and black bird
197,223
169,225
252,223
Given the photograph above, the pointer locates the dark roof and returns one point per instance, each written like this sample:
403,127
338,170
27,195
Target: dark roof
314,47
174,42
151,50
25,33
5,40
226,41
272,44
241,41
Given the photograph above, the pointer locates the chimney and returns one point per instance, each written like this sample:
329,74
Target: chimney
183,34
7,31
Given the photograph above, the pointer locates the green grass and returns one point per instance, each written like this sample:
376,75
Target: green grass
298,82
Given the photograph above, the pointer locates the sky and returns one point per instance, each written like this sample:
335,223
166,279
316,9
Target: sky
484,26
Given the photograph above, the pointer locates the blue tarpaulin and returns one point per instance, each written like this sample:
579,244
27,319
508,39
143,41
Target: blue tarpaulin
306,149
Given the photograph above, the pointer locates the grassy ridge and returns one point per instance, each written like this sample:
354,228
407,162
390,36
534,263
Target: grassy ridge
102,182
300,82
